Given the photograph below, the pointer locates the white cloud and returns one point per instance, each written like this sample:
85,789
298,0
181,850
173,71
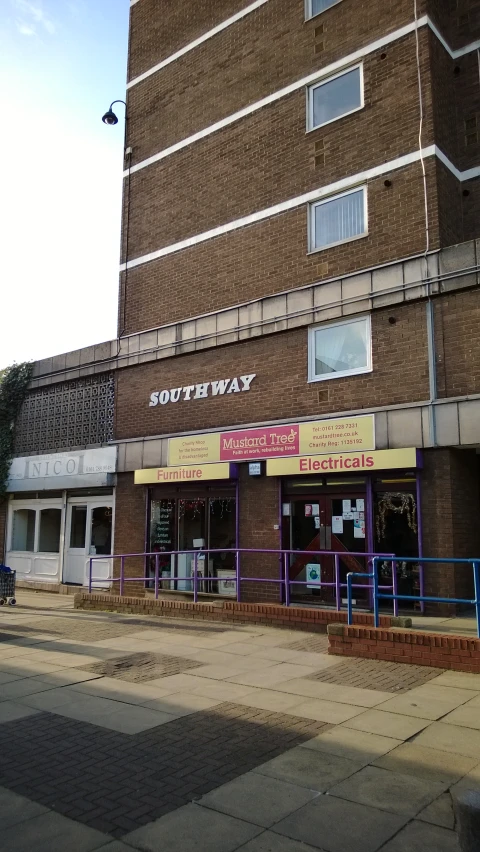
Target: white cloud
31,16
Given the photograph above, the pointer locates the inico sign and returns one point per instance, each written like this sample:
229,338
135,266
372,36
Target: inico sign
202,390
318,436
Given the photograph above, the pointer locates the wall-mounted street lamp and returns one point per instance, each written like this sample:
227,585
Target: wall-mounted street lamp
110,117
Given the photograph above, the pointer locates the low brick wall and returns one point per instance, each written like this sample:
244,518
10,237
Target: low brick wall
297,618
405,646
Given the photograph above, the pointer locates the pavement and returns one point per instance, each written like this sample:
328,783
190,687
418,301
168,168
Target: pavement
126,733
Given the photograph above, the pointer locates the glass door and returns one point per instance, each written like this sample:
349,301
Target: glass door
331,523
75,545
192,533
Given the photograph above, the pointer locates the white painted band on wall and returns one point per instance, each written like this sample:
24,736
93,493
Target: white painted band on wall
340,64
284,206
197,42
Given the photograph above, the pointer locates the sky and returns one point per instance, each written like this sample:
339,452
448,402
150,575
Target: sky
62,62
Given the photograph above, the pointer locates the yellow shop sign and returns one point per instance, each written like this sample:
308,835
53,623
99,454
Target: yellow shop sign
344,462
190,473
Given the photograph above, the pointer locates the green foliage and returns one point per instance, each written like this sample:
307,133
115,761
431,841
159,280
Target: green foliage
14,382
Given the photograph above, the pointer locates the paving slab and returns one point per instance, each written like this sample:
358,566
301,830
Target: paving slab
429,763
51,832
220,689
66,677
465,716
115,846
264,800
387,724
420,837
21,688
8,677
427,702
182,704
271,842
269,699
118,690
28,667
10,711
309,769
389,791
339,826
462,680
451,738
192,827
439,812
15,808
333,692
327,711
276,673
129,720
470,781
358,746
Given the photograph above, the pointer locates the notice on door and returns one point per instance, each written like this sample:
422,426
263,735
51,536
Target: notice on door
337,524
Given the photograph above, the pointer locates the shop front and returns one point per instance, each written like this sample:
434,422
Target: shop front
61,512
349,517
192,509
339,502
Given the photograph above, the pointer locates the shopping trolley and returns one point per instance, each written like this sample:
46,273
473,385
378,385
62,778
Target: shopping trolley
7,586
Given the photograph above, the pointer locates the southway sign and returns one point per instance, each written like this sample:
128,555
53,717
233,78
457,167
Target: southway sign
202,390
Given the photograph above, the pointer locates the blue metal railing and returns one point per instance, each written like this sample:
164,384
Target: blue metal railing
395,597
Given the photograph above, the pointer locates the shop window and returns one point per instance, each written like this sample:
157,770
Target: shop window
335,97
396,531
78,526
49,533
339,349
338,219
314,7
23,530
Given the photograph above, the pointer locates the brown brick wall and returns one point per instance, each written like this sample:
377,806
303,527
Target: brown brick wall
457,319
258,515
129,529
420,649
271,256
458,20
257,56
267,158
281,389
450,512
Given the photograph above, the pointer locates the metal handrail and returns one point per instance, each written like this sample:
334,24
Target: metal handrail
395,597
283,580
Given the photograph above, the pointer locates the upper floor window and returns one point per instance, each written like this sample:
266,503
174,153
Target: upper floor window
339,349
333,98
314,7
338,219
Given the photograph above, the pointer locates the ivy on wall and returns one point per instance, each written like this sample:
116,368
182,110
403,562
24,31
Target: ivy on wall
14,382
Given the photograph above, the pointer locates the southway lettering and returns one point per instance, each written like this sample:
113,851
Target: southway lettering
202,390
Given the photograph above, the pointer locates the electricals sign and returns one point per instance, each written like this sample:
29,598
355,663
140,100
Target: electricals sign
344,462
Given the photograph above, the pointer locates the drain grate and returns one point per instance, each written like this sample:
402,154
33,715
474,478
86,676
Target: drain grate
139,667
377,675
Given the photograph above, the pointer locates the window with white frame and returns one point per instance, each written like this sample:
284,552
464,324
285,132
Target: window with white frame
339,349
338,219
335,97
314,7
36,530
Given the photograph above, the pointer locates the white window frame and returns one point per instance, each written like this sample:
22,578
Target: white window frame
35,506
312,249
323,82
312,376
309,13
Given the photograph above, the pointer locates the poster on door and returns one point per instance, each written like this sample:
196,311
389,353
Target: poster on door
313,571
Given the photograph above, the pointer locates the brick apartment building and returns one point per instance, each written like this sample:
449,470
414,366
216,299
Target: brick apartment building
296,364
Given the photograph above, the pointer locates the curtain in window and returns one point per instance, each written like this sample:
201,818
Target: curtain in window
339,219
